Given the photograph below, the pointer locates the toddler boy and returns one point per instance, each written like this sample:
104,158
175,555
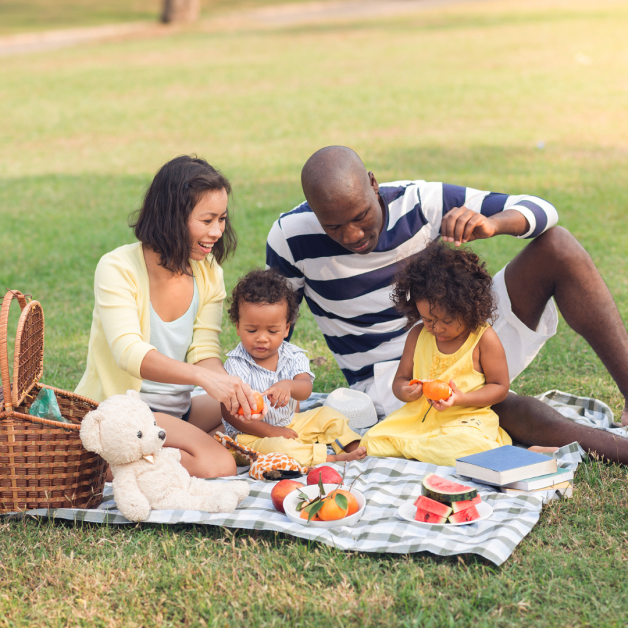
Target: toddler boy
263,307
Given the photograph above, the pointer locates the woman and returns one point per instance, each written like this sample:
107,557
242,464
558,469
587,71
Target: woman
158,311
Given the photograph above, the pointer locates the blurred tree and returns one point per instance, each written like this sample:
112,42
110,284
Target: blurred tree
180,11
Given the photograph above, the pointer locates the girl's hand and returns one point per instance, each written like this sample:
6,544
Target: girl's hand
279,394
411,392
453,400
228,390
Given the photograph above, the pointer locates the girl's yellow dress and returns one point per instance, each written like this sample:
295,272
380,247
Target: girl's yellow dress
444,436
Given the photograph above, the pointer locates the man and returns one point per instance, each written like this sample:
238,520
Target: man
340,249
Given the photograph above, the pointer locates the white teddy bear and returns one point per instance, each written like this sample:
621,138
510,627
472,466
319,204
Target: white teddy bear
146,475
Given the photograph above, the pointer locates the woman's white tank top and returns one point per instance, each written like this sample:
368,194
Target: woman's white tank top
173,340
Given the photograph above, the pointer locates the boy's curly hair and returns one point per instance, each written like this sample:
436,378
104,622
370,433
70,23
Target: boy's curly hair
263,287
452,279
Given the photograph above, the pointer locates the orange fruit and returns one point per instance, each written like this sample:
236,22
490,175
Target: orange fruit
304,515
412,382
353,502
436,390
259,404
330,510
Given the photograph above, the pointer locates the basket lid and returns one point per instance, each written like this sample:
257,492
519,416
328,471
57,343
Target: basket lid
28,362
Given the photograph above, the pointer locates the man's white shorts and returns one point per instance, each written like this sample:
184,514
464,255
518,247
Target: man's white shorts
520,343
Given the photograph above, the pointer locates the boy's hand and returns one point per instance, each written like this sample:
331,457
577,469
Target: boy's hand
411,392
278,394
453,400
286,432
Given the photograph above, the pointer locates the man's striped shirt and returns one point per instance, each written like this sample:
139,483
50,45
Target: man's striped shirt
348,293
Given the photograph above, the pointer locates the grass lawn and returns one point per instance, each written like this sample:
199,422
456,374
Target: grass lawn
461,94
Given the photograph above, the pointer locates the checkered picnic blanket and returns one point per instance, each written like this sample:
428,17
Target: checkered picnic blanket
386,484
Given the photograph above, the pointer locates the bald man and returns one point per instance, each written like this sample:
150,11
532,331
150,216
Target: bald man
340,249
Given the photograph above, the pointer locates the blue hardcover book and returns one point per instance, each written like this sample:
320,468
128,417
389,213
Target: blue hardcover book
505,465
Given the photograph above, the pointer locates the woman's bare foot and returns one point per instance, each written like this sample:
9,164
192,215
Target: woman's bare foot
357,454
543,450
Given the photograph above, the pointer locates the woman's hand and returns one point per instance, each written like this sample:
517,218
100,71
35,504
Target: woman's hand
455,399
409,391
230,391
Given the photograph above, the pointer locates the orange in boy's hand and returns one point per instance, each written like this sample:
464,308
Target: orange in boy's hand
412,382
436,390
259,404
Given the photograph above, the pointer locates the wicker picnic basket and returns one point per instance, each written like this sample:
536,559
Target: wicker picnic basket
43,463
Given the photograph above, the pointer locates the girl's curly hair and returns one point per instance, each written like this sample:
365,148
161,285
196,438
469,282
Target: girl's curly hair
263,287
452,279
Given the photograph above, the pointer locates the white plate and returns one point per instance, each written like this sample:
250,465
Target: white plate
291,501
407,511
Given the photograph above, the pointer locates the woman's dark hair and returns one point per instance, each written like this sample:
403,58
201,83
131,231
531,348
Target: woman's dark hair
264,287
452,279
162,221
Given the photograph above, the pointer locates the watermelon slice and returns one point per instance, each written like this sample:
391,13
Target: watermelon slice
446,491
429,505
428,517
470,514
460,506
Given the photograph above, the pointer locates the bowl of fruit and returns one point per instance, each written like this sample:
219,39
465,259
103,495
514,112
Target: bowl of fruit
325,503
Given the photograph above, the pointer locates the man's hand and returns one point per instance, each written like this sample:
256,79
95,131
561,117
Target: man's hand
462,224
279,394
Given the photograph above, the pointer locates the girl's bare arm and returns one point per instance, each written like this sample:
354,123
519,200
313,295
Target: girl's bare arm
401,384
495,368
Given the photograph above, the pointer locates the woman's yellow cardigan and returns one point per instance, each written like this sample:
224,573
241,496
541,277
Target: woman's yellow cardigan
120,334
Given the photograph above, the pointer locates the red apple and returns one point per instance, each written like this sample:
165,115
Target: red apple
281,490
329,476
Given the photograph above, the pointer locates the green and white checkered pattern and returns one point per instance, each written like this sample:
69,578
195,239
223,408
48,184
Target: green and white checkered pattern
386,483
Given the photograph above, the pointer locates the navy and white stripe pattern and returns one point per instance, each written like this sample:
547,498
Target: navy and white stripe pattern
349,294
292,361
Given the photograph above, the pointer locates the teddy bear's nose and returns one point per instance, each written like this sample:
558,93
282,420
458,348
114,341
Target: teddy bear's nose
162,435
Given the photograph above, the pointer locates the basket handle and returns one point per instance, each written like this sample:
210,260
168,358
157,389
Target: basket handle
4,349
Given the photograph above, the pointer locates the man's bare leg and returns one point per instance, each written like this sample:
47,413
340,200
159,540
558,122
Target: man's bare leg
556,265
533,422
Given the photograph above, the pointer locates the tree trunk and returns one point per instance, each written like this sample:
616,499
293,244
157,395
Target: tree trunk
177,11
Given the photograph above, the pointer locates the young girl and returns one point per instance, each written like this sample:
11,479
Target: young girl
158,310
449,290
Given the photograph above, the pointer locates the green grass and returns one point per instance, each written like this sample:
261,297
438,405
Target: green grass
461,94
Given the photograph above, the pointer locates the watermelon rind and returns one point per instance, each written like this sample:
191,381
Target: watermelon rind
428,517
470,514
430,505
460,506
446,491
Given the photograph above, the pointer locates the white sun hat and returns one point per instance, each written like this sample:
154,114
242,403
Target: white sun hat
355,405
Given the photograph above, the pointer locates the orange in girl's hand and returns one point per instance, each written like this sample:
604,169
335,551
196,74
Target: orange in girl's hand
436,390
412,382
259,404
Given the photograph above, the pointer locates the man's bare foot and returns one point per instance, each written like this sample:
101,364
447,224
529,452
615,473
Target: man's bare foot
624,416
543,450
357,454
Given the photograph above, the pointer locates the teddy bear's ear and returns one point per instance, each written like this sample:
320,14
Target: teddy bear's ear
90,431
133,393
